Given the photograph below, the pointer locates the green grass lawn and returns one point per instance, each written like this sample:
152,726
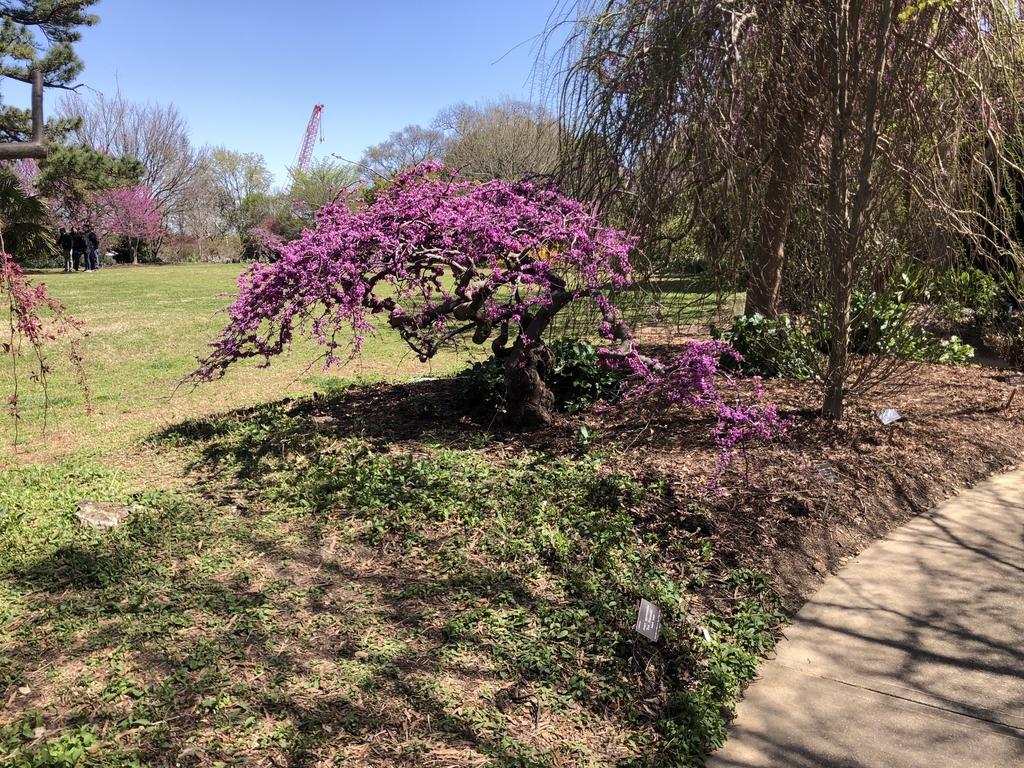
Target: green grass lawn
146,328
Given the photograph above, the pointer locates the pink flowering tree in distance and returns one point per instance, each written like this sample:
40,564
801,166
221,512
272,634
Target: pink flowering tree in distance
443,263
130,213
265,241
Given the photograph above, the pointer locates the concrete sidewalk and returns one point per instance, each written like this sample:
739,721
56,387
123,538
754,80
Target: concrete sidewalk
912,655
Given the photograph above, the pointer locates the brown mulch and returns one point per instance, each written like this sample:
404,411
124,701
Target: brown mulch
770,509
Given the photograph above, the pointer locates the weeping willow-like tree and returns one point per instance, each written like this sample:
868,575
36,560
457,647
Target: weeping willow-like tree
858,133
686,117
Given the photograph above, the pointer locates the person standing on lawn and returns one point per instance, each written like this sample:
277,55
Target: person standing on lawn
78,248
92,243
66,244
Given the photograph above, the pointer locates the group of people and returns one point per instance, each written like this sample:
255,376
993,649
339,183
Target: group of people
79,248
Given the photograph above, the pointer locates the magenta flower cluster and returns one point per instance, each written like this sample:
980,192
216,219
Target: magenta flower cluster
130,212
695,378
266,244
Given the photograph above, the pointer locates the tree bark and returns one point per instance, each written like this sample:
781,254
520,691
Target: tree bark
530,402
765,283
846,220
37,147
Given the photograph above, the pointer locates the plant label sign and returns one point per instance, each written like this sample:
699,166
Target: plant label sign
827,473
1015,380
648,621
889,416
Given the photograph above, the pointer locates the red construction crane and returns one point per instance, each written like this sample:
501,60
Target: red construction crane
306,151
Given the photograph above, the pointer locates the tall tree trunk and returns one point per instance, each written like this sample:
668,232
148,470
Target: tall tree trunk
846,220
765,284
841,292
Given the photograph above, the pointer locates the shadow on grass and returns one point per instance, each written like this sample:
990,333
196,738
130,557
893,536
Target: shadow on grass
381,412
172,655
209,634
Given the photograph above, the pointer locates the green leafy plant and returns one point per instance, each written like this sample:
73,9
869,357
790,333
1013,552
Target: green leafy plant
21,745
951,351
585,436
973,289
482,385
577,381
770,348
882,325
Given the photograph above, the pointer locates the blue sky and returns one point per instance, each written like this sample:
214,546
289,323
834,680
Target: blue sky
246,73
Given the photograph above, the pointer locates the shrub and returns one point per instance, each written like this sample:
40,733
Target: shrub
769,348
972,289
880,325
482,385
883,326
579,379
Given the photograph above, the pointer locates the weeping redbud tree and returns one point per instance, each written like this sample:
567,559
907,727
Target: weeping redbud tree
443,263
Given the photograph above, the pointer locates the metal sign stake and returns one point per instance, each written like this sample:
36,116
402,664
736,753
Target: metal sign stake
648,624
829,475
889,417
1013,381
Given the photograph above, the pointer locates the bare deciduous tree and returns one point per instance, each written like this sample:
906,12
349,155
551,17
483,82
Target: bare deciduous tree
505,139
157,136
404,149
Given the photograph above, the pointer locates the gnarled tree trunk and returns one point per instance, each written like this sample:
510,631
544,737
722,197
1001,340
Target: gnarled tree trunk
530,402
528,366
